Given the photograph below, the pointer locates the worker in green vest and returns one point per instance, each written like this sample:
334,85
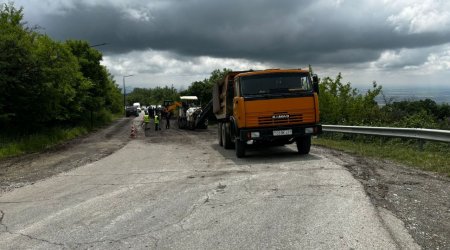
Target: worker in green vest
146,120
156,122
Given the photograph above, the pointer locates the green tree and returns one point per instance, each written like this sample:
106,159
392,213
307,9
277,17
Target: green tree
152,96
103,94
159,94
62,82
418,113
342,104
48,82
420,119
203,89
114,95
18,67
141,95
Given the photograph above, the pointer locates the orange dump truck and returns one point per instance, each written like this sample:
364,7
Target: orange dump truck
267,107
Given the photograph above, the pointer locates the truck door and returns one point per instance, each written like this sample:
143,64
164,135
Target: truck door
238,106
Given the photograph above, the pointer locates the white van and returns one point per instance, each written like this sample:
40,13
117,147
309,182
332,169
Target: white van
138,106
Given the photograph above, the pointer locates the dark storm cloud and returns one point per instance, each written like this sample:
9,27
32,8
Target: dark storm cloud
274,31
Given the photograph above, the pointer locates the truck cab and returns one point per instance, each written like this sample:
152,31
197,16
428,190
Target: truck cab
267,107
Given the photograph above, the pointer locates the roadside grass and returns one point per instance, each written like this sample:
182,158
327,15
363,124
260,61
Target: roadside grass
12,144
19,145
434,156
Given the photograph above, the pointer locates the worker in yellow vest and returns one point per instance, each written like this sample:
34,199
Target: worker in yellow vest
157,122
146,120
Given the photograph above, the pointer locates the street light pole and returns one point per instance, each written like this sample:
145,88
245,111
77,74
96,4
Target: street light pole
125,93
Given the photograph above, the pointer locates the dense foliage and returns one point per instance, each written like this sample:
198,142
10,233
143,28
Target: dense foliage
156,96
48,83
342,104
419,114
152,96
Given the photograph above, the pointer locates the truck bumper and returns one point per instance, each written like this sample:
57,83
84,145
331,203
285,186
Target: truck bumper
270,134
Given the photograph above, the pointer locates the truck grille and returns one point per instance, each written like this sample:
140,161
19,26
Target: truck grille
269,120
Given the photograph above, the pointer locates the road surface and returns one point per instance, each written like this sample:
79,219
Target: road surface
179,189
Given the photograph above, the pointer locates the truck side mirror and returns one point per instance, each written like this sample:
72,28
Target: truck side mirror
315,80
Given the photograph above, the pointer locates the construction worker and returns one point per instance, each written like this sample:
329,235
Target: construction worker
157,122
146,120
168,115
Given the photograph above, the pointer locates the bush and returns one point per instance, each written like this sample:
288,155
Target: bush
342,104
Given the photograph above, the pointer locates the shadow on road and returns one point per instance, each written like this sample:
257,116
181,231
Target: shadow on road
264,155
254,155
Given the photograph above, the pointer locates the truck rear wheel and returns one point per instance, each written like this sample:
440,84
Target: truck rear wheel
240,148
219,133
304,144
226,138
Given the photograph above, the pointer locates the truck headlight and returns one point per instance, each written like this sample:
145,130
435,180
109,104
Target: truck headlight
254,134
309,130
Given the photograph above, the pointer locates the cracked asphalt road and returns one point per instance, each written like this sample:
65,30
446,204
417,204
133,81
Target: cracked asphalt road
179,189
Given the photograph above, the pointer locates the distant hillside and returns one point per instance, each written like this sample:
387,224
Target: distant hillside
438,94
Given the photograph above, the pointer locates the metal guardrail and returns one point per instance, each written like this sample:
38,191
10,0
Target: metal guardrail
412,133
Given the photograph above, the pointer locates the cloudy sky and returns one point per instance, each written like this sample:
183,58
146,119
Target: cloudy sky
164,42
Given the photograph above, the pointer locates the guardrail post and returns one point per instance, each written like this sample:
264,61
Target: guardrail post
421,143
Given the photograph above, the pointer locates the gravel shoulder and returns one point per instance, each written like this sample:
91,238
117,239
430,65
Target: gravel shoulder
420,199
25,170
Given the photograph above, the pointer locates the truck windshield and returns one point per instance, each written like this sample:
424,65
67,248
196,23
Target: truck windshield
267,84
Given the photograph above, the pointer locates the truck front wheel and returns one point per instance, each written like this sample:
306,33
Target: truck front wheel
226,138
304,144
240,148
